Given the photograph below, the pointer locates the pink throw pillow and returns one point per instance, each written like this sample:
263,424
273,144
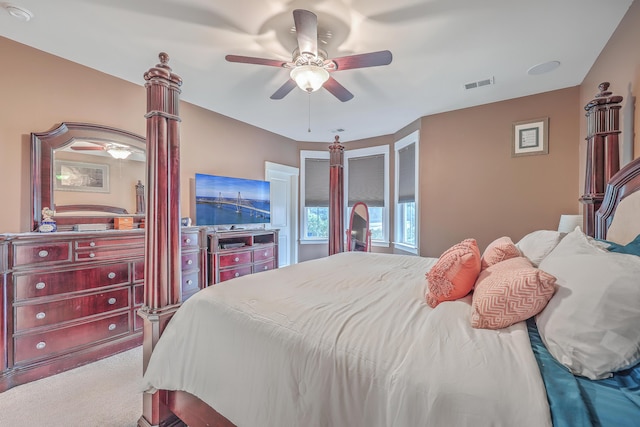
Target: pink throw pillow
499,250
509,292
454,274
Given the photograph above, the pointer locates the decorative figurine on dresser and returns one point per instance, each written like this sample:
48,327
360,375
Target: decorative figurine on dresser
48,224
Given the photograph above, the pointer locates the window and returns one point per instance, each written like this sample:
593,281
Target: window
314,189
366,180
406,204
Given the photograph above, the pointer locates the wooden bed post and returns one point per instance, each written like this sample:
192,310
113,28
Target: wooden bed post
336,197
603,158
162,270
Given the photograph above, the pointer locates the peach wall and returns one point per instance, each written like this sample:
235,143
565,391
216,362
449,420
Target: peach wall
470,186
619,64
42,90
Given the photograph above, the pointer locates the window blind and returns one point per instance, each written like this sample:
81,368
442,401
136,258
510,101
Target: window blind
316,183
406,174
366,180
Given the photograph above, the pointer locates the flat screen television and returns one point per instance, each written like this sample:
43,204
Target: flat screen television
224,200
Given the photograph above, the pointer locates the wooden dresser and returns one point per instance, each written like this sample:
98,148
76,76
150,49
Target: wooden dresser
238,253
69,298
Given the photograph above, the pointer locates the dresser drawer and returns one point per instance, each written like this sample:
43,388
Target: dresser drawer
190,261
121,242
107,253
36,346
50,313
189,240
36,253
264,266
138,294
190,284
138,271
261,254
45,284
235,258
235,272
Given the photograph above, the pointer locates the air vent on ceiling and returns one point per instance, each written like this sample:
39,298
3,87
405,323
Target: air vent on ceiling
479,83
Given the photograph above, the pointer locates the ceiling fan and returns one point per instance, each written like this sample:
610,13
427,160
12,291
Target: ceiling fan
310,66
116,151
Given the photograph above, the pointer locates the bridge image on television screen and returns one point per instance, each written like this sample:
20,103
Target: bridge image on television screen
231,201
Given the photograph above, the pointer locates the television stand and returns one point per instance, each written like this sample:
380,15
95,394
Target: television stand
238,252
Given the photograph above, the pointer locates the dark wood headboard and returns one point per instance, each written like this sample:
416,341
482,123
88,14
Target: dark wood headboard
621,185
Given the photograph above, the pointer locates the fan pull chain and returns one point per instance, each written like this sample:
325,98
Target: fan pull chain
309,129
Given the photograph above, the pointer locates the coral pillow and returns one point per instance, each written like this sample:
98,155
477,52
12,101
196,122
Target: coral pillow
454,274
499,250
509,292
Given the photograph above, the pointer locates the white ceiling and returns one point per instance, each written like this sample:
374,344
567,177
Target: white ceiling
438,46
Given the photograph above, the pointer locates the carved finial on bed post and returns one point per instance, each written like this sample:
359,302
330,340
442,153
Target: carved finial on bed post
603,158
336,197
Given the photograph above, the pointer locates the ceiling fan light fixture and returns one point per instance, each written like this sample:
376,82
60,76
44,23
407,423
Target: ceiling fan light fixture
119,153
309,78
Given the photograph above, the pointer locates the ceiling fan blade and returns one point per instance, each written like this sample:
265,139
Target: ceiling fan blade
372,59
252,60
284,89
307,31
337,90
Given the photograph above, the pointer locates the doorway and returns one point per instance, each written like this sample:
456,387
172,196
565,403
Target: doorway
284,207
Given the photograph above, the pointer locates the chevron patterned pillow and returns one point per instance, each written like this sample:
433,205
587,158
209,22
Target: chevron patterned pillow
509,292
499,250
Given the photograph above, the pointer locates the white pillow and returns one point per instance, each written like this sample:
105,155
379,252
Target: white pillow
592,323
537,244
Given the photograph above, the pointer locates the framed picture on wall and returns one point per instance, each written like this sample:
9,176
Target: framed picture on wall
80,176
530,137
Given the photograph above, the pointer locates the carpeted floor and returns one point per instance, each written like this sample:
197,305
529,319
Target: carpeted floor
100,394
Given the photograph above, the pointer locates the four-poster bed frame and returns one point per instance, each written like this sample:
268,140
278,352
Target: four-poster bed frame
162,267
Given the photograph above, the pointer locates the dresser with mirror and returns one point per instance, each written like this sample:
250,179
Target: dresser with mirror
71,296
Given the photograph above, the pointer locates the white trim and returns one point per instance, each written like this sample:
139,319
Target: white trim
412,138
365,152
294,174
308,154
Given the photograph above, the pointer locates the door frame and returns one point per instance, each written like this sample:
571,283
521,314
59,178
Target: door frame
294,175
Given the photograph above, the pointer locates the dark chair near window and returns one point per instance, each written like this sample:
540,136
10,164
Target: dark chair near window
358,233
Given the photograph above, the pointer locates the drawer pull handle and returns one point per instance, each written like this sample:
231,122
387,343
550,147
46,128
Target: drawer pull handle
111,301
92,244
41,315
92,255
189,282
43,253
40,285
236,259
266,267
112,326
266,253
189,262
41,345
111,275
237,274
187,240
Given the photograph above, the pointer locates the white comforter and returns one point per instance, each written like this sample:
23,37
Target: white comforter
347,340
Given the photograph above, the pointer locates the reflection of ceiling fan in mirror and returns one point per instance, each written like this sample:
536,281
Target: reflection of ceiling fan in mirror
116,151
310,67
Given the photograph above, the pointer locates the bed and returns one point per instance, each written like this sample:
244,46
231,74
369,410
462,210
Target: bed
354,339
350,340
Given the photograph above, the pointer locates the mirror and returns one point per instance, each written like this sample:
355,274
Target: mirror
358,233
87,173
